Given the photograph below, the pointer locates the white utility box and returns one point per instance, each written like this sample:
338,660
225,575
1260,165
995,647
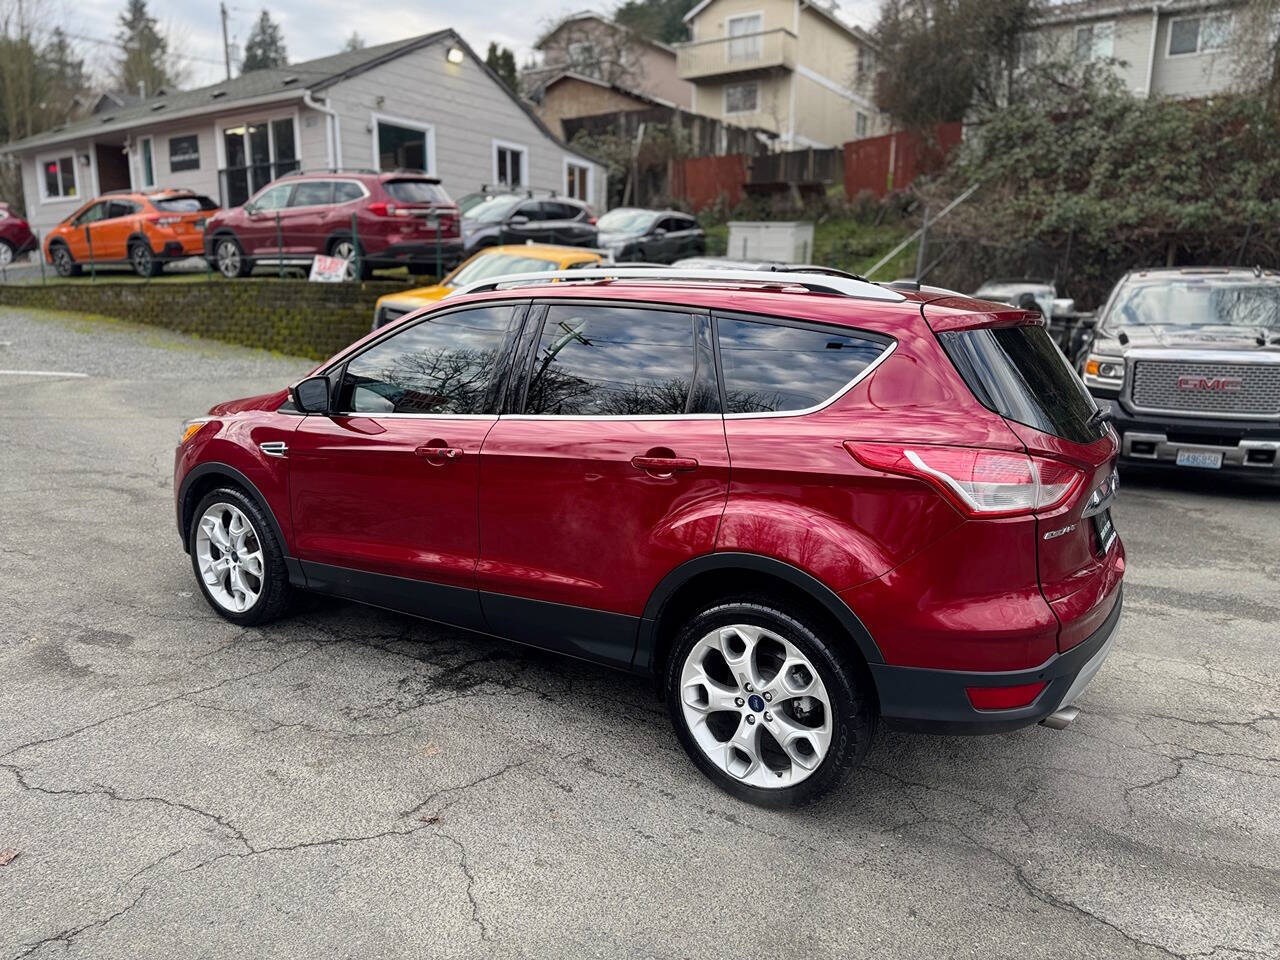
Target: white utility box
783,241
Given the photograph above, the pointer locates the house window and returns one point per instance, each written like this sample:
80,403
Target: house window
866,62
742,98
148,162
746,29
1199,34
509,164
256,153
577,180
59,177
184,153
399,145
1095,41
860,125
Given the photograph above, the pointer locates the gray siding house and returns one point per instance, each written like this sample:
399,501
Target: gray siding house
423,103
1166,48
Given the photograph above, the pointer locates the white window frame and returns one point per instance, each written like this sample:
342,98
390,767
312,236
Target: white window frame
1200,47
427,129
150,142
758,47
582,165
741,113
75,175
861,125
1093,40
524,160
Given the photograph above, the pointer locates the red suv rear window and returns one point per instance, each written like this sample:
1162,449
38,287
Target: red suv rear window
416,191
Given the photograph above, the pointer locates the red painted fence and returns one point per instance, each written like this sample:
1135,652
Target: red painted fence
892,162
701,181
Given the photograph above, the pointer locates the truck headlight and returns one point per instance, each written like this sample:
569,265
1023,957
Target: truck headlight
1100,371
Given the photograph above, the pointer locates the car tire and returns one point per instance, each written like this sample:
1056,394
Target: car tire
63,263
7,253
230,259
821,702
344,248
143,259
238,559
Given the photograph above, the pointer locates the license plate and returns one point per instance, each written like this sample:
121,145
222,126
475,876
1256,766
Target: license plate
1204,459
1105,530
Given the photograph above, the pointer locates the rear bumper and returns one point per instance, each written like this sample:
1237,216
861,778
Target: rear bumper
1249,448
935,701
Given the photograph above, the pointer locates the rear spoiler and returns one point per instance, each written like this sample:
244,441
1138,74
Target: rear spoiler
957,312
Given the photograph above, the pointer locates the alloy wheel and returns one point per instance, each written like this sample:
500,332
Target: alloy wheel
62,262
142,258
228,256
229,555
756,706
346,250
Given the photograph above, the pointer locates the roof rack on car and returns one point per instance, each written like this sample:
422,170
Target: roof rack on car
300,172
810,282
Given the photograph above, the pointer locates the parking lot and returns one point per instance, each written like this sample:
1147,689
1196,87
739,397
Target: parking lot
355,783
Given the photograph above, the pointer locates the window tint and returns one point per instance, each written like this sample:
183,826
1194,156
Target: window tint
312,193
191,204
534,211
1019,373
622,361
344,191
416,191
443,365
771,368
120,208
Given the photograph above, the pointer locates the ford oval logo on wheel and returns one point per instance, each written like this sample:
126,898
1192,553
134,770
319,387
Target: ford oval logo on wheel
755,702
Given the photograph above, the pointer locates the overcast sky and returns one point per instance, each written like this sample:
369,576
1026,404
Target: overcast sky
313,28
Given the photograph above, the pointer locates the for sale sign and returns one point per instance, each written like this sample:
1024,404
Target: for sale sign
329,270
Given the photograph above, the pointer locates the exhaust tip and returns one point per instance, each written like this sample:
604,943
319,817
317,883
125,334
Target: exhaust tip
1061,718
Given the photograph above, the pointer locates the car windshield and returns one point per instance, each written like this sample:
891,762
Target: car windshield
496,265
493,209
1197,303
192,204
416,191
626,221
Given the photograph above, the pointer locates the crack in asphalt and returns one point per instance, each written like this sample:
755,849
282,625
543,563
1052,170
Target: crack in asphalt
68,937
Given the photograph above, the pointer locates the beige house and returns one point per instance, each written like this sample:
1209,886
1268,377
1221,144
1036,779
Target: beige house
789,66
1169,48
590,45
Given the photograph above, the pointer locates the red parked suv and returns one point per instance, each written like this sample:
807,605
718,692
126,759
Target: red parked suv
366,218
804,503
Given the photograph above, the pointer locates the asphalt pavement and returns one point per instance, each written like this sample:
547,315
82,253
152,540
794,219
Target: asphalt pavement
352,783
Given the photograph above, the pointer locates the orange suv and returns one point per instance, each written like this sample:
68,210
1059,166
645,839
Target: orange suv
144,230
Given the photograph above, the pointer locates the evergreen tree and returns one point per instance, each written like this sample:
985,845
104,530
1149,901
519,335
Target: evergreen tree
502,62
265,46
141,66
354,42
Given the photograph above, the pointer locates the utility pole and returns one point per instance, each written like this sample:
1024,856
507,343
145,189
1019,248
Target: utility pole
226,47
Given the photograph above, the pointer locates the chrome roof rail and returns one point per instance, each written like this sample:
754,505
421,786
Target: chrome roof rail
811,282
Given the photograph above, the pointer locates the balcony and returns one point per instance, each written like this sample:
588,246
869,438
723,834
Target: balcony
726,57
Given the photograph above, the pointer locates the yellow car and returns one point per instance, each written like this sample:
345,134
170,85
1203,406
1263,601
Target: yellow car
489,262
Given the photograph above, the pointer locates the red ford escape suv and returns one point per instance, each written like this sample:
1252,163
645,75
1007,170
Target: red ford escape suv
804,503
373,219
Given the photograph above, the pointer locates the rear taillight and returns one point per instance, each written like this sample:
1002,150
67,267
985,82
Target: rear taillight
448,225
164,221
386,210
981,483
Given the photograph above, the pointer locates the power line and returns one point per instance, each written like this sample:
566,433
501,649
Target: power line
113,43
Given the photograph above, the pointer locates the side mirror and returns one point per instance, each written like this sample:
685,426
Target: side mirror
312,395
251,209
658,233
517,220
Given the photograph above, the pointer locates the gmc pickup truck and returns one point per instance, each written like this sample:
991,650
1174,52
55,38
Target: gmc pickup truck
1189,359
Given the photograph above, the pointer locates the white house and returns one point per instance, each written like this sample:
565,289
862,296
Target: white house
424,103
